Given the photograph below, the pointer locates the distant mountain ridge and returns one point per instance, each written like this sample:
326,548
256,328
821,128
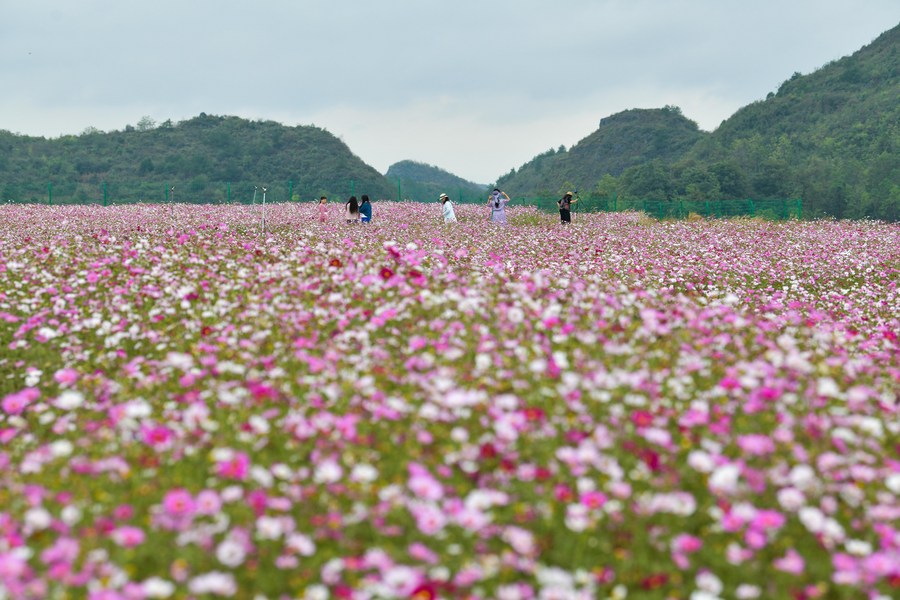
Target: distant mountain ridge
204,159
623,140
424,182
831,138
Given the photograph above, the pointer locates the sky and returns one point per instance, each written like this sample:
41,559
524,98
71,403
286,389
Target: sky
474,87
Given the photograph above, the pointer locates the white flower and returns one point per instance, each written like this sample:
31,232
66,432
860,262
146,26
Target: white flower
812,518
269,528
328,471
725,479
892,482
708,582
363,473
61,448
858,547
803,477
316,592
701,461
70,515
262,476
791,499
158,588
37,518
577,518
745,591
230,553
301,544
214,582
69,400
180,360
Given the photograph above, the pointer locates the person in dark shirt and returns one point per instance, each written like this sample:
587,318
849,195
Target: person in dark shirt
365,209
565,207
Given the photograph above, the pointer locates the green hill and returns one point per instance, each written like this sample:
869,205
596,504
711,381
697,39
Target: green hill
423,182
624,140
206,158
831,137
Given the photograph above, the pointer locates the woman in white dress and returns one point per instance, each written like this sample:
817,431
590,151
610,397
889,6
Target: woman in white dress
447,209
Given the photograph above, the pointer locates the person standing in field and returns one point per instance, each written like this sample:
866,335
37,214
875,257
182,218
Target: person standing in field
498,201
447,209
365,209
565,207
323,209
352,210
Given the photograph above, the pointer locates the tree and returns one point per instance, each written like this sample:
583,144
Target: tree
146,124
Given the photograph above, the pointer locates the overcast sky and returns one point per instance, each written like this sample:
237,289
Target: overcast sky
476,87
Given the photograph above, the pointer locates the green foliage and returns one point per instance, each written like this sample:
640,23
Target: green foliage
831,138
425,183
203,157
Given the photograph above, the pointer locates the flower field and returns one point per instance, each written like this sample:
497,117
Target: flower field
619,408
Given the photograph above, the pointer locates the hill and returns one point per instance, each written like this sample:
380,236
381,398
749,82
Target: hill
206,158
423,182
831,137
624,140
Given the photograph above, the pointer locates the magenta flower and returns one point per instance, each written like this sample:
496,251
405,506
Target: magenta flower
179,503
235,467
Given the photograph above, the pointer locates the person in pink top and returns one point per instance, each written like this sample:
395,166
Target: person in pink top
323,209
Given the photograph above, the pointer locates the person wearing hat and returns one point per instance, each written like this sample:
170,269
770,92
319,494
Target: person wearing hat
447,209
565,207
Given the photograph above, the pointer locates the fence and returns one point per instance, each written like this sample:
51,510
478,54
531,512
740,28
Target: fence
246,193
680,209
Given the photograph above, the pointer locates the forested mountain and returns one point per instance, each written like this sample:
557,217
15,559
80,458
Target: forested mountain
423,182
831,138
627,139
206,159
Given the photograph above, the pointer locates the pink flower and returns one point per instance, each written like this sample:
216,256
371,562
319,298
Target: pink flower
756,444
767,519
686,543
423,553
66,376
235,467
158,436
208,502
791,563
593,499
178,503
15,403
127,536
